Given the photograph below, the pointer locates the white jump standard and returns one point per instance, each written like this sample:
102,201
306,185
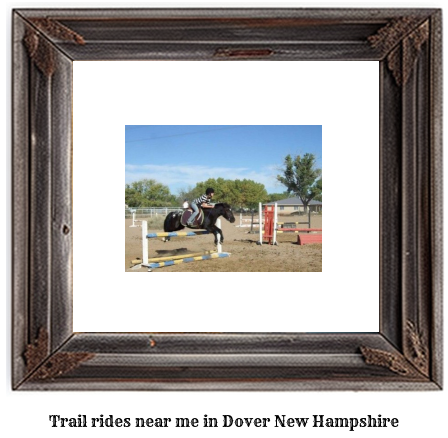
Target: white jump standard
134,220
160,262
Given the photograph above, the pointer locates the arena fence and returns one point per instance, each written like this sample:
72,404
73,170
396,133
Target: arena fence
251,220
148,212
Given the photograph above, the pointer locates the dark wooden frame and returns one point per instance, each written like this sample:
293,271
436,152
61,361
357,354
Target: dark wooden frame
406,354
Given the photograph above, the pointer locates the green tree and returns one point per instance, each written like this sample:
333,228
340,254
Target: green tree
237,193
188,193
318,188
300,177
221,186
249,193
148,193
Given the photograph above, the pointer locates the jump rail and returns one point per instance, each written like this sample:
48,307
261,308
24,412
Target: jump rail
271,227
187,260
159,262
298,230
248,223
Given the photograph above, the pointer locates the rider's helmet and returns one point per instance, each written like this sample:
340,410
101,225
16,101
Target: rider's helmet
209,191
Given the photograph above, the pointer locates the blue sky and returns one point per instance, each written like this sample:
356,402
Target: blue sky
181,156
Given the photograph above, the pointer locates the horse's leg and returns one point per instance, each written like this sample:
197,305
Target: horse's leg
212,229
215,232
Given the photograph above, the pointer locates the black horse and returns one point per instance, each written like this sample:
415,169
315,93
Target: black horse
177,220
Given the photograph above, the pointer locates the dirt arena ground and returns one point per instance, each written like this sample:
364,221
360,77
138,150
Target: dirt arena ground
246,255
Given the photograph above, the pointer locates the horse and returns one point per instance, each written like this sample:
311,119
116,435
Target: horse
206,220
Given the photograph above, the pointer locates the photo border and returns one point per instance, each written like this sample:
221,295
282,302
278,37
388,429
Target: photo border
406,353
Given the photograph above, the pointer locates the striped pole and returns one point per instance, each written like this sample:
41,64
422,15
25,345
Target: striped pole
187,260
159,262
176,234
274,241
144,241
297,230
219,246
177,257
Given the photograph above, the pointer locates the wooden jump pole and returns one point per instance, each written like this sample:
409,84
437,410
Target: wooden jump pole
179,256
272,238
159,262
176,234
298,230
276,230
214,255
274,242
144,242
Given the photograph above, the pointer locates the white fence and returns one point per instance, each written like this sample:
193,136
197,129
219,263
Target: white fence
146,212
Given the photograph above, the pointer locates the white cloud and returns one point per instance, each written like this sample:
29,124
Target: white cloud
180,177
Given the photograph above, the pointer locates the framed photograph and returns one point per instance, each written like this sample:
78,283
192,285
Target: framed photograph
167,166
53,351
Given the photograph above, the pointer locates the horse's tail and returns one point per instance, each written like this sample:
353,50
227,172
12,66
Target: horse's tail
172,222
167,222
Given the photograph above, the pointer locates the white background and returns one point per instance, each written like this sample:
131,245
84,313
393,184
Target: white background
110,95
420,414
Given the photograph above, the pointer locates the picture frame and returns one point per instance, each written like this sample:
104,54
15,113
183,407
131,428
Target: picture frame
406,353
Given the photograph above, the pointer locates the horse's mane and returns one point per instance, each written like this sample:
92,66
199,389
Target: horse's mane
222,204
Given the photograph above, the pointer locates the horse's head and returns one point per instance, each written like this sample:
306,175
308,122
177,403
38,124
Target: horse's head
226,212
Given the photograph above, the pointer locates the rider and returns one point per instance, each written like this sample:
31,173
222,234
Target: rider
203,202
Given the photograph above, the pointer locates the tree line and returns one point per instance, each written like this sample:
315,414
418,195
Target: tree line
299,175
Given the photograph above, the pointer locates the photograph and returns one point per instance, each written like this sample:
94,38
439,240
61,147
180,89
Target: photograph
247,186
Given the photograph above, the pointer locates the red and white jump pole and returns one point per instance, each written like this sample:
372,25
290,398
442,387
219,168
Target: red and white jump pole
270,224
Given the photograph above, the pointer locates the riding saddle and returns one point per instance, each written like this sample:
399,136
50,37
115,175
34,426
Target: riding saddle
198,220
